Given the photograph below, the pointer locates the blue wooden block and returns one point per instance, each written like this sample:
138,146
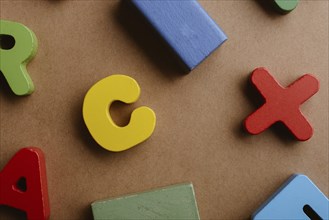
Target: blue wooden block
297,199
185,26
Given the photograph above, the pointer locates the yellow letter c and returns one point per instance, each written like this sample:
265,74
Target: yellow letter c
99,122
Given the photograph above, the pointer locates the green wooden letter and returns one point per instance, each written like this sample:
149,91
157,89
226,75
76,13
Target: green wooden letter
14,57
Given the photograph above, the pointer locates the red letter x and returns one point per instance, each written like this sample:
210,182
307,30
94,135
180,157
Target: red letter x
282,104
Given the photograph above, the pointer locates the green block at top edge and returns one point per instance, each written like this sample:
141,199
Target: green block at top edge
172,202
286,6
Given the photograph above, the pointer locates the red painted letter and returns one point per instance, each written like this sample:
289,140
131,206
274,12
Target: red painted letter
282,104
27,164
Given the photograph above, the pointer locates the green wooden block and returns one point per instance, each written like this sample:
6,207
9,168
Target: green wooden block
286,6
173,202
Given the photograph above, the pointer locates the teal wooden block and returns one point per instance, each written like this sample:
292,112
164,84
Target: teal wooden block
173,202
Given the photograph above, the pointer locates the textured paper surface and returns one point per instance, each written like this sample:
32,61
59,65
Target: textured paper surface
198,137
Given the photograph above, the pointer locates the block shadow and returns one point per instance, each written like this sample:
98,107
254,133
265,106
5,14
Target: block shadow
12,213
81,130
87,213
148,40
7,94
269,8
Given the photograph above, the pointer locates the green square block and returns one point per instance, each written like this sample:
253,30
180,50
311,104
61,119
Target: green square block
173,202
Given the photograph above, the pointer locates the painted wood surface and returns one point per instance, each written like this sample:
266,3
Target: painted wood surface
173,202
185,26
298,198
282,104
285,6
98,120
23,184
18,46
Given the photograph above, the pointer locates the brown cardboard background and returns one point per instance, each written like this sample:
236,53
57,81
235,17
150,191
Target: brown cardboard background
198,136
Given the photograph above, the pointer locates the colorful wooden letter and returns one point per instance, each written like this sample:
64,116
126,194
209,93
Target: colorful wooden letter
282,104
99,122
174,202
285,6
185,26
27,166
15,58
297,199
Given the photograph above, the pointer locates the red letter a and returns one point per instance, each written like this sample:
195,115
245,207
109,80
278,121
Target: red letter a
27,164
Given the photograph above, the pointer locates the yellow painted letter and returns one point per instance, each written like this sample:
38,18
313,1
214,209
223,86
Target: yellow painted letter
97,117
